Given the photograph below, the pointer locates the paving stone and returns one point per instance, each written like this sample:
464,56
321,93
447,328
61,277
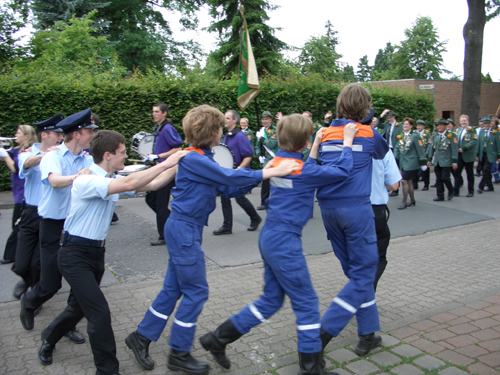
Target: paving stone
478,305
486,323
472,351
385,359
442,334
479,314
463,328
288,370
424,325
403,332
461,341
491,345
444,317
362,367
460,311
492,359
406,369
342,355
492,299
482,369
452,371
388,340
495,310
407,351
428,362
456,358
486,334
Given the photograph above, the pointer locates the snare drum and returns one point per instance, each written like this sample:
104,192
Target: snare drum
224,156
131,169
143,143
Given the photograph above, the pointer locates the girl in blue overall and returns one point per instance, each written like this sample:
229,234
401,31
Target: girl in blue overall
285,269
199,178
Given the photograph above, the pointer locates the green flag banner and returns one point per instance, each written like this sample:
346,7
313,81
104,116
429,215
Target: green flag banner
248,84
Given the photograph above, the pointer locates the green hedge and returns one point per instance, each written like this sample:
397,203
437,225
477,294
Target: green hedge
124,104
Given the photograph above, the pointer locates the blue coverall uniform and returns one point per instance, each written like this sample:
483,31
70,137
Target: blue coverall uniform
199,179
285,269
349,222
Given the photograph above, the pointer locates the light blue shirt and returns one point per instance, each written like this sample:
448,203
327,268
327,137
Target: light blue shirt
33,183
55,203
91,206
384,172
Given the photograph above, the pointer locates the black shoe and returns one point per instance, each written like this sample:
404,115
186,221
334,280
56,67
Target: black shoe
325,339
438,199
75,336
20,289
4,261
425,188
450,196
309,364
216,342
367,343
261,207
488,189
45,353
470,195
222,230
184,361
26,315
115,218
497,182
412,203
456,193
158,242
479,191
140,346
254,225
433,186
393,194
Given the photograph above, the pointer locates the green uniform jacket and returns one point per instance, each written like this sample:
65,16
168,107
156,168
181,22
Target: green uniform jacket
307,150
270,141
410,152
386,128
250,136
443,151
492,144
426,139
468,144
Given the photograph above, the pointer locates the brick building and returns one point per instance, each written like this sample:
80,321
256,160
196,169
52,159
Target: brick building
448,96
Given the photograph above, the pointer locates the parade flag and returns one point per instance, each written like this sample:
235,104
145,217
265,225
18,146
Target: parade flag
248,83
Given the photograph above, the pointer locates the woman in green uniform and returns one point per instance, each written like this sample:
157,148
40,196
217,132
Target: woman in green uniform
411,155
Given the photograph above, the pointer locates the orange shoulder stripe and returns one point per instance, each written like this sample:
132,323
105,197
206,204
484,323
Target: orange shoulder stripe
195,149
337,132
277,161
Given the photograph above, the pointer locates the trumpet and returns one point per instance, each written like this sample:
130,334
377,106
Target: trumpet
7,143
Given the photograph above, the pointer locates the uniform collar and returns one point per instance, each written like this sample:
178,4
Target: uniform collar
98,171
290,154
341,122
232,132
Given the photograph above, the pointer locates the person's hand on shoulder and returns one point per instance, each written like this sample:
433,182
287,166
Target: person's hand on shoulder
350,131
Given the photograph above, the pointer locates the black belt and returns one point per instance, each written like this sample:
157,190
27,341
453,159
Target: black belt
66,237
29,206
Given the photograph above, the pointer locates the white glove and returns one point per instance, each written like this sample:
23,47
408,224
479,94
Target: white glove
150,157
260,133
423,167
262,159
3,153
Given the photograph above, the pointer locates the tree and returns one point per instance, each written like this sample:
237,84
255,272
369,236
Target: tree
319,54
348,74
419,55
383,62
136,28
480,11
266,47
364,69
10,23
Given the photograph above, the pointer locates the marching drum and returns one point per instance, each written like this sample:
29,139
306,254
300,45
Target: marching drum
142,143
223,156
131,169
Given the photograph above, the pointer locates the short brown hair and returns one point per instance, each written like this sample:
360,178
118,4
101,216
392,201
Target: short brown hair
410,120
162,107
293,132
353,102
105,141
201,124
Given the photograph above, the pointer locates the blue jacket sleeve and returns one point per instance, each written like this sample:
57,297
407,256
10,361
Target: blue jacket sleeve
318,176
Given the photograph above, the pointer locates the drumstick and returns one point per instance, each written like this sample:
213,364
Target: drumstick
140,153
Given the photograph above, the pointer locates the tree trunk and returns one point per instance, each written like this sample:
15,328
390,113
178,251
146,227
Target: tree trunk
473,35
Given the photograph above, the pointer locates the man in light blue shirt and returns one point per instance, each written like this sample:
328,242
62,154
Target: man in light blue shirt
58,169
385,176
27,262
81,255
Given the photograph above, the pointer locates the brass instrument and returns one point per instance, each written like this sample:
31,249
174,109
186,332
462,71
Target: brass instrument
7,143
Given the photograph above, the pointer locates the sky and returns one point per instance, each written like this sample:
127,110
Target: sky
365,26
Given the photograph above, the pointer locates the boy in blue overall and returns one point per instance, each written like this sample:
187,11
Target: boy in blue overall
199,179
349,220
285,269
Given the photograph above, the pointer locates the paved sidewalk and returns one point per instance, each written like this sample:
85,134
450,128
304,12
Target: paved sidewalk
439,303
